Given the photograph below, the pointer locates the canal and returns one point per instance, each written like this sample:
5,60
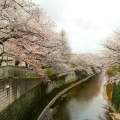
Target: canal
84,102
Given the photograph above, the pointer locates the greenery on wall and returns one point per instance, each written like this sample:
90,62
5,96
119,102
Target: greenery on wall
49,70
116,96
73,65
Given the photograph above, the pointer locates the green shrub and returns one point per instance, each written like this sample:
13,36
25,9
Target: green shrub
110,72
73,65
118,69
49,70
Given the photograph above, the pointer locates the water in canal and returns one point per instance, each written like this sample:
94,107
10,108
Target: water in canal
84,102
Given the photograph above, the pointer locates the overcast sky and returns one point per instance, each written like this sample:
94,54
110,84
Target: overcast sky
86,22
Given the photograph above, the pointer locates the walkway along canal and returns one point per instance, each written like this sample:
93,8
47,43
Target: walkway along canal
84,102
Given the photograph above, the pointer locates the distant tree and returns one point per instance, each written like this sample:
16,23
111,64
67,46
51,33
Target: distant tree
64,45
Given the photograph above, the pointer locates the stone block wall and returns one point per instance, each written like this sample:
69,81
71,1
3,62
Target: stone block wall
17,87
21,107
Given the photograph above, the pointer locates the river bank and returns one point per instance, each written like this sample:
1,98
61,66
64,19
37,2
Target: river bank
84,102
46,115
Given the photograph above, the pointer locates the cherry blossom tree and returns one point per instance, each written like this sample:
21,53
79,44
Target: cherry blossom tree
87,62
111,53
28,34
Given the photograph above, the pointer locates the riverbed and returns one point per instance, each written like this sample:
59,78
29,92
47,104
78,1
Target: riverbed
84,102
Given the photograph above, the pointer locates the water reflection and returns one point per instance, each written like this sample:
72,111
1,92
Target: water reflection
85,102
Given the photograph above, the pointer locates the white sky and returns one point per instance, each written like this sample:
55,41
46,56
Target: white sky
86,22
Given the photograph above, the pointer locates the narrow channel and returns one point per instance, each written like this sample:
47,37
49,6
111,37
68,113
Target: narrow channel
84,102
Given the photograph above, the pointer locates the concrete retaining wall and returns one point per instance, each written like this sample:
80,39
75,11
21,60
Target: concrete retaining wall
21,106
17,87
15,72
62,79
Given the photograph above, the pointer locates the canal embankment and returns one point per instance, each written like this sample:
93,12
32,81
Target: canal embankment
45,115
24,96
83,102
